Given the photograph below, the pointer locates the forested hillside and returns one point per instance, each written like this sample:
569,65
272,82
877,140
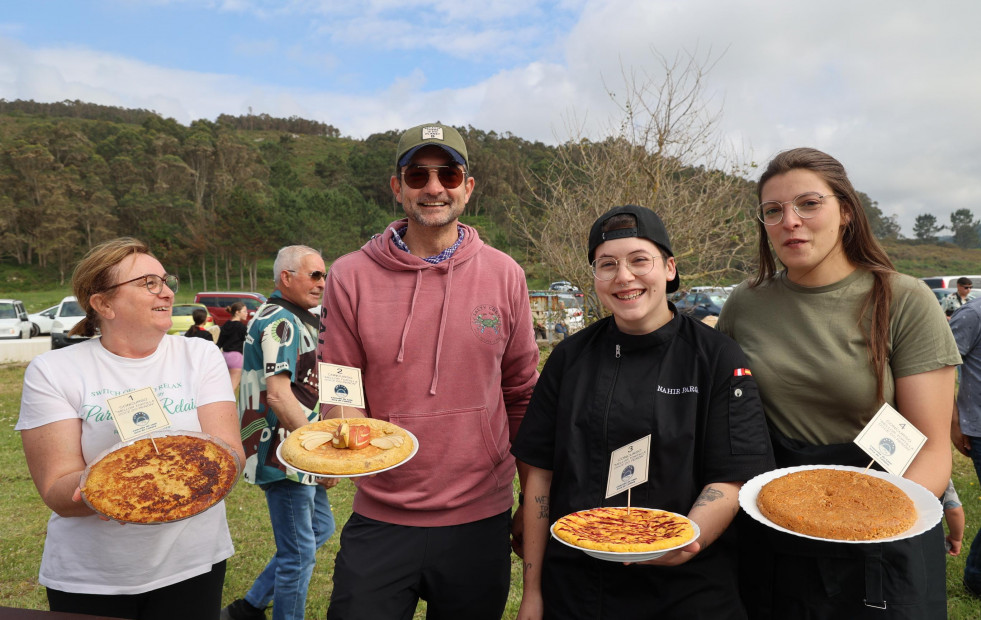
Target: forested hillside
214,197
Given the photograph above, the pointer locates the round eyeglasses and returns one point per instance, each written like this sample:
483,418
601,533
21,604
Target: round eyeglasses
805,205
639,263
153,282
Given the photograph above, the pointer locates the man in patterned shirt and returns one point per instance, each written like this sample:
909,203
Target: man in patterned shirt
278,394
958,298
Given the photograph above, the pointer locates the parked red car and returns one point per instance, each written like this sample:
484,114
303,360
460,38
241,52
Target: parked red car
218,301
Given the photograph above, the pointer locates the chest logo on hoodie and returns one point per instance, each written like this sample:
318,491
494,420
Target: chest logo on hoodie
486,323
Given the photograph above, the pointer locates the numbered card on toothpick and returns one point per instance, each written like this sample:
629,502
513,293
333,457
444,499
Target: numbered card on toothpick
341,385
891,440
137,413
628,466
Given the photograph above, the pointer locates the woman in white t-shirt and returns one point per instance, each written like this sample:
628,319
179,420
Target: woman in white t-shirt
95,566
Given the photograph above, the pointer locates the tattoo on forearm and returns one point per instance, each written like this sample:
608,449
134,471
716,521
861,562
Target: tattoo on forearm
708,495
527,566
542,501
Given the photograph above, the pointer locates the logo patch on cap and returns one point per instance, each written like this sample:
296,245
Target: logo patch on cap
432,133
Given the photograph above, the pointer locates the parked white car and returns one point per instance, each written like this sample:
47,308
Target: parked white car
65,317
13,320
41,321
563,286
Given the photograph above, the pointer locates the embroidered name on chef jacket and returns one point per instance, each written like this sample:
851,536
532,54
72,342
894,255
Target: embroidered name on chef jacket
688,389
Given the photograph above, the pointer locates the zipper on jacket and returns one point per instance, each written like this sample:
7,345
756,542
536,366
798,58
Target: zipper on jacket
609,397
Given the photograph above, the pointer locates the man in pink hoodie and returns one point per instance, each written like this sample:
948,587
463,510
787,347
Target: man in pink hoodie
440,325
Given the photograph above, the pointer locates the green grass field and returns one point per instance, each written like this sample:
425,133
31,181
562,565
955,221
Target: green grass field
23,527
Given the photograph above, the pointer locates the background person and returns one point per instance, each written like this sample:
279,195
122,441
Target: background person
965,431
646,370
278,395
98,567
954,515
231,339
959,297
440,325
839,315
199,315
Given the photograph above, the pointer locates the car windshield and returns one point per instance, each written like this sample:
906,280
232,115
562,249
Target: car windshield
718,300
71,308
184,310
7,311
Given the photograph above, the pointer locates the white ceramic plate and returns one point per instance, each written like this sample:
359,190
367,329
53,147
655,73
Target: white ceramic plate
415,449
164,433
615,556
928,508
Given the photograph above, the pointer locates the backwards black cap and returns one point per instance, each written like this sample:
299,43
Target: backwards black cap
649,226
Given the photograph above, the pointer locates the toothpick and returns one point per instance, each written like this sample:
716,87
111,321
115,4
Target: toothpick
628,500
868,466
154,445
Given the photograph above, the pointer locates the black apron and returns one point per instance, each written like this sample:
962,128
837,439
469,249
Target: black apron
783,576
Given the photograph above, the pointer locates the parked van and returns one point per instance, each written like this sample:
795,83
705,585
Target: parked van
550,307
948,281
13,320
218,301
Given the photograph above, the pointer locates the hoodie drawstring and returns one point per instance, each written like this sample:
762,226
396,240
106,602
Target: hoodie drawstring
442,322
442,325
408,319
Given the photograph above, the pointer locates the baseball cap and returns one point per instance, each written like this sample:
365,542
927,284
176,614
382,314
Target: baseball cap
649,226
445,137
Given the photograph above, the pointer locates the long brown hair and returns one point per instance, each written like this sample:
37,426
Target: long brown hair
95,273
858,243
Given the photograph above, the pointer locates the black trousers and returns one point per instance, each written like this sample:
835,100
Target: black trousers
578,587
197,598
789,577
461,571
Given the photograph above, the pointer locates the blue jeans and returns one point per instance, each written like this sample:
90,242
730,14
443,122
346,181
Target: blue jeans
972,569
301,522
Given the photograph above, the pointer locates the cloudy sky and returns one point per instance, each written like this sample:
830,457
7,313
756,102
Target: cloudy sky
892,88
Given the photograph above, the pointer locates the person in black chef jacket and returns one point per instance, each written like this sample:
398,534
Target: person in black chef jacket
645,370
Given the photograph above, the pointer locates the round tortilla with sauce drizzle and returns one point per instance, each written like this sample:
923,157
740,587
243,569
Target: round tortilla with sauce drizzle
614,529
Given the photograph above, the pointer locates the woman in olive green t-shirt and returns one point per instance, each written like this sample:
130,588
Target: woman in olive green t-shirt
830,338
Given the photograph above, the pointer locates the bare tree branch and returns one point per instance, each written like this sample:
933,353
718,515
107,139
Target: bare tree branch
664,152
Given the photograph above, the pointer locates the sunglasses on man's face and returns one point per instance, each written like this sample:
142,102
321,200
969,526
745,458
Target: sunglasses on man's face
316,276
417,177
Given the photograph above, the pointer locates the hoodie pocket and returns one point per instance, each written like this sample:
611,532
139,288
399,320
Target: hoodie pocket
462,457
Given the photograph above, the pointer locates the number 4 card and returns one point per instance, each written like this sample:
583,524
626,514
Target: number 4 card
891,440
